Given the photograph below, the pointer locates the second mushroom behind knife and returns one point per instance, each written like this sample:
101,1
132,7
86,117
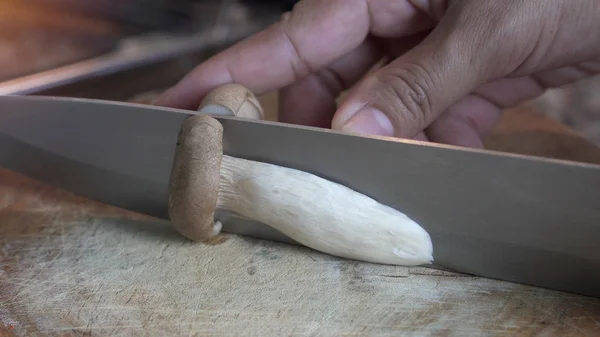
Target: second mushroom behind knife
318,213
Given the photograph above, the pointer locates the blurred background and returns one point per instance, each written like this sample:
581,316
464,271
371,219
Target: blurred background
115,48
130,50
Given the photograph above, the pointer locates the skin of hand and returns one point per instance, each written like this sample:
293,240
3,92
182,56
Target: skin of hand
433,70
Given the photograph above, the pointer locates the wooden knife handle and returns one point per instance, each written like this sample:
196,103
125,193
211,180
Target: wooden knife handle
232,100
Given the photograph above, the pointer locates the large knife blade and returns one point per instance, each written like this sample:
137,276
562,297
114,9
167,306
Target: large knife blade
502,216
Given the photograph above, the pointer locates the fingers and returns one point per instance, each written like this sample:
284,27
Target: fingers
324,86
404,97
465,123
391,19
421,136
314,34
461,53
312,100
469,121
565,75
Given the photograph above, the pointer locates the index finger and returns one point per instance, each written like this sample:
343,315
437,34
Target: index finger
314,34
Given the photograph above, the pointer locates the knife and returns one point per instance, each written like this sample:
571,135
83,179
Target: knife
509,217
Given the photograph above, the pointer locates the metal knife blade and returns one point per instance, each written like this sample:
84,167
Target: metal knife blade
509,217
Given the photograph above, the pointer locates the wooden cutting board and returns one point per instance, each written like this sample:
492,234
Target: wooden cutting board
73,267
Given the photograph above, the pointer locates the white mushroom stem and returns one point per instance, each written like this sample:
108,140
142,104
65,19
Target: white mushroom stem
321,214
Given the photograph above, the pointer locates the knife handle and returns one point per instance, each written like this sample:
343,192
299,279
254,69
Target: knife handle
231,100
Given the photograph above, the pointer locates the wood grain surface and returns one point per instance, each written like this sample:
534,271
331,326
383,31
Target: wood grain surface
73,267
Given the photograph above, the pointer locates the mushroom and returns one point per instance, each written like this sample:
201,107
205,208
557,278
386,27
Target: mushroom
232,99
315,212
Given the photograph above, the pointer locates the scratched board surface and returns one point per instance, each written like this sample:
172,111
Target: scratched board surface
72,267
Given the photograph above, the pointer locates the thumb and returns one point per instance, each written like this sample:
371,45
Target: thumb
404,97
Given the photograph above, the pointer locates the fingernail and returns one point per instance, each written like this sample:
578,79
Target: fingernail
370,121
215,109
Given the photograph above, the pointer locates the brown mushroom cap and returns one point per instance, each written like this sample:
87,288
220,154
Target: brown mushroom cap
194,181
232,99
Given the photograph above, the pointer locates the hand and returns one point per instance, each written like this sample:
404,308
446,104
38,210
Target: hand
452,65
